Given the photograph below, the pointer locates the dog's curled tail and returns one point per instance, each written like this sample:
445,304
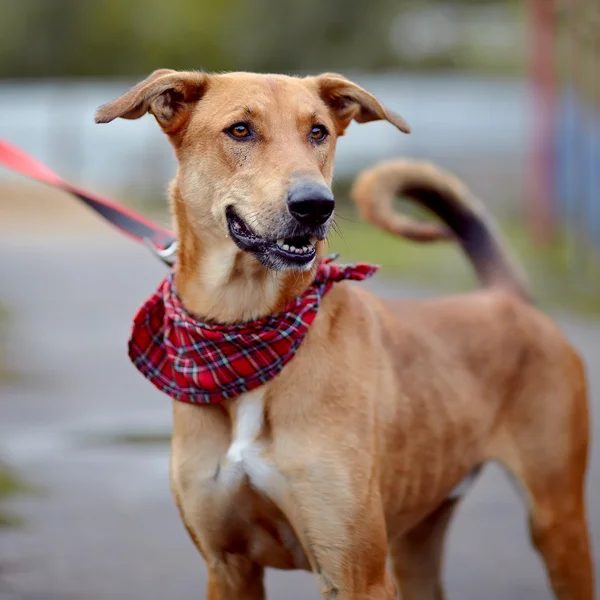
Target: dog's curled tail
464,217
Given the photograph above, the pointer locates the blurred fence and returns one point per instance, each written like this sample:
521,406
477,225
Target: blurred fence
565,184
472,124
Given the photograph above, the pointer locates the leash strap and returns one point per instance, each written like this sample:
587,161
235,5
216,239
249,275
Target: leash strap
159,240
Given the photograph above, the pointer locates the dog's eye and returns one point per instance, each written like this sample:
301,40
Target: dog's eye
318,133
239,131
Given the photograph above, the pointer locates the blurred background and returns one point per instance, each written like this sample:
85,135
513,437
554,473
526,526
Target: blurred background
505,93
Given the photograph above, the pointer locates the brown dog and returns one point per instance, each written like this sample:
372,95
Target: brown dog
354,452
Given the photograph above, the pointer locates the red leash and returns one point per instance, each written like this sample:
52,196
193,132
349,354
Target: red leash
160,240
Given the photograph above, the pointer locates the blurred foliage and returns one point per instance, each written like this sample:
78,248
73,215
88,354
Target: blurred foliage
578,48
55,38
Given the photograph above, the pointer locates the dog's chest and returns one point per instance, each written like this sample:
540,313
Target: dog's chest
245,455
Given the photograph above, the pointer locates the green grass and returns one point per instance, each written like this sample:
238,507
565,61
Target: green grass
10,485
134,439
6,374
443,266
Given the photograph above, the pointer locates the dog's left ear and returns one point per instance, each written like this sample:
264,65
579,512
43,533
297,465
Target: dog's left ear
348,101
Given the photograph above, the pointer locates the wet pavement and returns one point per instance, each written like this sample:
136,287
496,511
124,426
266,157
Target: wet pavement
103,526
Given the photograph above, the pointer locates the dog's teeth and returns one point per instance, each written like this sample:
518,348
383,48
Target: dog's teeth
301,250
312,239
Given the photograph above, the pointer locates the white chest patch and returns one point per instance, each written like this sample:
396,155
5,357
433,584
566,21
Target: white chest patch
244,457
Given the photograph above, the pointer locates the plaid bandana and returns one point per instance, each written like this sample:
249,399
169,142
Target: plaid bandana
204,363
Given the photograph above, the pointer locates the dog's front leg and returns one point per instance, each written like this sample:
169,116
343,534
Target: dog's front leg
347,547
235,577
337,514
201,436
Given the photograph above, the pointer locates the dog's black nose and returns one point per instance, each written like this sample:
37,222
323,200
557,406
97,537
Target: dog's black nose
310,203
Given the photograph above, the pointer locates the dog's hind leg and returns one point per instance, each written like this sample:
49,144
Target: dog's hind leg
559,531
417,555
544,443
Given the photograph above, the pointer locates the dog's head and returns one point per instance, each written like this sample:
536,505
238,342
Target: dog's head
255,152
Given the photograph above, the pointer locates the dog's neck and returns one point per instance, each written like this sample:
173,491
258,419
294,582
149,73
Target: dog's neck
217,282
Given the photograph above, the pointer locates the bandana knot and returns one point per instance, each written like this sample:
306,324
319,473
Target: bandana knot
198,362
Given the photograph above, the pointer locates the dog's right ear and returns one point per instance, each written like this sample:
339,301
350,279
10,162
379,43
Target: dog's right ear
348,101
168,95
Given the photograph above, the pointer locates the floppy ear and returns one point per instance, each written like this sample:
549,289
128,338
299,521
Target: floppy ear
166,94
349,101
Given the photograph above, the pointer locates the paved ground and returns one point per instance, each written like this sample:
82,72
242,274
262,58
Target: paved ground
104,527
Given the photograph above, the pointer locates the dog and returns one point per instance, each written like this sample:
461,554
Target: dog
358,449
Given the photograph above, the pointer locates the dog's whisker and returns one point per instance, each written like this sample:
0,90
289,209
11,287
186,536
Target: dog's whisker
347,218
337,228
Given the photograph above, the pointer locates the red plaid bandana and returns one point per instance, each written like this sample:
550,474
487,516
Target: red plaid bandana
200,362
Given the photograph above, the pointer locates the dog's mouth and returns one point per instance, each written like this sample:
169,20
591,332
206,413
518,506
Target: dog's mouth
297,251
